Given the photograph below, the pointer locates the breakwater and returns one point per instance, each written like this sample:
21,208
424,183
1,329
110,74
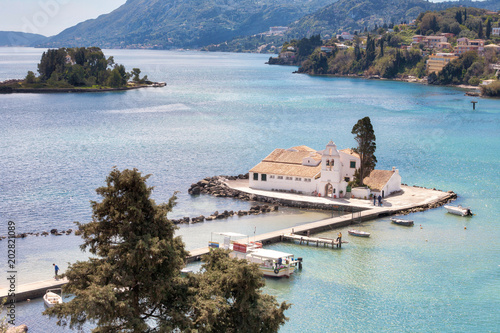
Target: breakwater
217,187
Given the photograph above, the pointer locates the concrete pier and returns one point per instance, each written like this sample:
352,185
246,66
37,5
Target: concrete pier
32,290
412,198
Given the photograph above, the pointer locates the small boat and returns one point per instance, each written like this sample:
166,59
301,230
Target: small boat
271,263
458,210
52,298
358,233
408,223
274,263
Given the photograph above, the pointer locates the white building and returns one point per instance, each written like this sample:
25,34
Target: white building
327,172
383,182
495,31
304,170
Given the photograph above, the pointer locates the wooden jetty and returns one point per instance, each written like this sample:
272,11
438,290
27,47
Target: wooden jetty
313,240
32,290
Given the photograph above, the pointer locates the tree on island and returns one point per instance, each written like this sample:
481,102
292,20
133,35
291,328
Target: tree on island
80,67
133,282
365,137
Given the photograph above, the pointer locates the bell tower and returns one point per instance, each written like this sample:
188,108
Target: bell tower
331,167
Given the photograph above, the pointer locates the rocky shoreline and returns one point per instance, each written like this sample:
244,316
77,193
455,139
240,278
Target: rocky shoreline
254,210
9,87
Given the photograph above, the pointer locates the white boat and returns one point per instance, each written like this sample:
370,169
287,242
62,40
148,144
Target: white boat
271,263
458,210
358,233
408,223
51,297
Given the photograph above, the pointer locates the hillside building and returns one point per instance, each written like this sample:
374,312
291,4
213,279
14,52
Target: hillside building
437,61
465,44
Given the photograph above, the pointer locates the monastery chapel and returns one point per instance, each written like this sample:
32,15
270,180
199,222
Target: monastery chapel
326,173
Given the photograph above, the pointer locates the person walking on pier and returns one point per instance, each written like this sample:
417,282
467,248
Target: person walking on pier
56,268
379,200
339,239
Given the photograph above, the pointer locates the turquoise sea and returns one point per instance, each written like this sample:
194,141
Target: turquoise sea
222,113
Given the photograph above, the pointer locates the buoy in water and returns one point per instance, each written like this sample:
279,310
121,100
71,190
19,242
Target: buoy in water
465,228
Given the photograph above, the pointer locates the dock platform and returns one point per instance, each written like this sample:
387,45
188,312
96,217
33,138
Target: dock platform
411,198
313,240
32,290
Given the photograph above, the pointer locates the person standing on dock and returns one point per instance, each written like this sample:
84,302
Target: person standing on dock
339,239
379,200
56,268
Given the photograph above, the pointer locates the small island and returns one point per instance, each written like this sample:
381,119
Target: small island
79,69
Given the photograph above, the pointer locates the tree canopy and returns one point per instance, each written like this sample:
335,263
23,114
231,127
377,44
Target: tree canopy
133,282
80,66
233,287
365,137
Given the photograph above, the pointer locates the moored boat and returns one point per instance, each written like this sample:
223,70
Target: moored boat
458,210
358,233
271,263
51,297
408,223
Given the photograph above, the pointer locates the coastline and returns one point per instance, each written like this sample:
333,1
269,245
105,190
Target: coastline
5,89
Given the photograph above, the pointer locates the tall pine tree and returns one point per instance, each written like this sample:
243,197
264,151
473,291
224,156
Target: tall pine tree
365,137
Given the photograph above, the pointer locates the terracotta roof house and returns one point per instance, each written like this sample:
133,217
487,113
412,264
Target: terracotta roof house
302,169
383,182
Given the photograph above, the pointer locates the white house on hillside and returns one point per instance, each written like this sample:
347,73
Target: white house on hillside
323,173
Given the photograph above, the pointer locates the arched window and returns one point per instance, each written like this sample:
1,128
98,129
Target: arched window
327,163
332,162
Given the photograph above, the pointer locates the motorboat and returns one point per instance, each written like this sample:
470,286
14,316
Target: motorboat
53,297
358,233
408,223
271,263
274,263
458,210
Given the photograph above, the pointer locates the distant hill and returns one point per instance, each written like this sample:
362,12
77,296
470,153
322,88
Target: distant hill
15,38
187,23
350,15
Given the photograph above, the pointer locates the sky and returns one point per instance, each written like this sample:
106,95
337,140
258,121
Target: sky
49,17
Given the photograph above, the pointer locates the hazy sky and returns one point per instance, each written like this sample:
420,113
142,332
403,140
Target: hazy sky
49,17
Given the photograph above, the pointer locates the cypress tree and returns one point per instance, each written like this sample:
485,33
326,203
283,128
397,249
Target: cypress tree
488,29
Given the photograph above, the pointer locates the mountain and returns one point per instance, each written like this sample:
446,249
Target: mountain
15,38
187,23
350,15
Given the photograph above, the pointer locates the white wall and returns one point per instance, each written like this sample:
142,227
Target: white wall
360,192
283,184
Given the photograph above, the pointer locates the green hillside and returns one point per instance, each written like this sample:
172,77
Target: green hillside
350,15
188,23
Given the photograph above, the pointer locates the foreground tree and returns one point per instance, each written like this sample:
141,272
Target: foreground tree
365,137
135,274
133,284
229,298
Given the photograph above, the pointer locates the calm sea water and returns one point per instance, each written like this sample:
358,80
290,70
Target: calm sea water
221,114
